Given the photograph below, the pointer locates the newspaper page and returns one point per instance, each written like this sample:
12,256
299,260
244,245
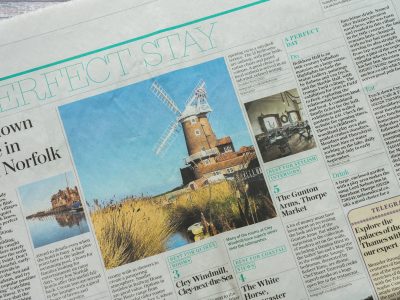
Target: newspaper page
183,149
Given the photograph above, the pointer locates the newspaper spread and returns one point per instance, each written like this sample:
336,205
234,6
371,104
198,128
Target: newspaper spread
183,149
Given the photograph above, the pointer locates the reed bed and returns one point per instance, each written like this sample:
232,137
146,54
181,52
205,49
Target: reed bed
140,227
223,206
130,231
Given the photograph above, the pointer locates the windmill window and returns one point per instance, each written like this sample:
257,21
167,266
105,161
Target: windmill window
193,120
197,132
228,148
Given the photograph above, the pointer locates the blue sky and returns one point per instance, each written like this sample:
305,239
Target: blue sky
112,135
36,196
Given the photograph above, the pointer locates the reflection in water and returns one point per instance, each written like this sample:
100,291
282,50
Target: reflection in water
69,219
54,228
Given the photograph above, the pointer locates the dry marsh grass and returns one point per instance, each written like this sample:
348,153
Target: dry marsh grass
222,206
131,231
140,227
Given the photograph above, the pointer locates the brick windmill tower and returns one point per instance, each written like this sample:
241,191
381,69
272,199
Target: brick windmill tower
207,155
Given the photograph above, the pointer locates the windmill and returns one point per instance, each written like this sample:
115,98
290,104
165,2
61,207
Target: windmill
209,159
198,133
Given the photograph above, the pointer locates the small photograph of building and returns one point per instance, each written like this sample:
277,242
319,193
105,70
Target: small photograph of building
279,125
65,199
53,209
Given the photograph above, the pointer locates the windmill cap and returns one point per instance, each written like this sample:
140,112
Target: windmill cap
194,111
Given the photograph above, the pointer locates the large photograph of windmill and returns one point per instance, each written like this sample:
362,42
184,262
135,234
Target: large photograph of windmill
166,162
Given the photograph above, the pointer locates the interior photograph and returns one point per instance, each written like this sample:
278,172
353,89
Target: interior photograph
279,125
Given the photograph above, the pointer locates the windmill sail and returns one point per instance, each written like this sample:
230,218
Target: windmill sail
164,97
195,104
197,101
201,86
167,138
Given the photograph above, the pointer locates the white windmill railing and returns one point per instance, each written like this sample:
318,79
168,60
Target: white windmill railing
201,155
247,174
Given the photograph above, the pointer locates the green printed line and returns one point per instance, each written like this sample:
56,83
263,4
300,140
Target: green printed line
259,256
284,174
181,263
249,262
280,171
281,168
135,39
245,267
192,252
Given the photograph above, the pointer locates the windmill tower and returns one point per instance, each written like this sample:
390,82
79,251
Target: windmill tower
199,136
